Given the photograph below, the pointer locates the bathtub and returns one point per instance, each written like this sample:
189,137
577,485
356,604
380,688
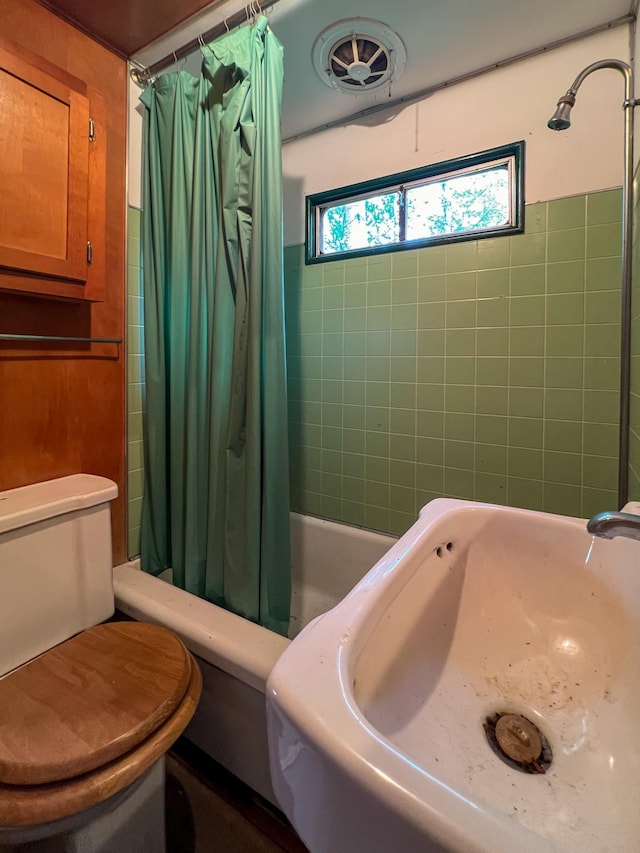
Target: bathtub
235,655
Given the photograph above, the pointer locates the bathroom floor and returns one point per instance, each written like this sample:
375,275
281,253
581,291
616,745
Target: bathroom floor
211,811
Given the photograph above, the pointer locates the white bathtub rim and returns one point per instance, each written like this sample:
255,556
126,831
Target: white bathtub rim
241,648
355,531
328,559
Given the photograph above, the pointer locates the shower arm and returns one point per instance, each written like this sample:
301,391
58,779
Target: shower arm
566,102
615,64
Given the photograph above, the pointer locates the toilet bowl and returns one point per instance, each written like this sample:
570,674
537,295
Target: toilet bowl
88,708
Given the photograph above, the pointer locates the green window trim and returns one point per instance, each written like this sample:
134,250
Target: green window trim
400,183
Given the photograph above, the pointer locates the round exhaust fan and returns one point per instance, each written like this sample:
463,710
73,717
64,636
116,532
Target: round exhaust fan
358,55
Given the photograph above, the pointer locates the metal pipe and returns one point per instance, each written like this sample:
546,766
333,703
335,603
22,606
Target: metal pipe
561,121
60,338
142,76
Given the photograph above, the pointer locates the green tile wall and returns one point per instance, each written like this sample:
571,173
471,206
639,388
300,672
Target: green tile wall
485,370
135,466
634,412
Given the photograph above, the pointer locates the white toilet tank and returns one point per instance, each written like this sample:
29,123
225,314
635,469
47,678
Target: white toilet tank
55,564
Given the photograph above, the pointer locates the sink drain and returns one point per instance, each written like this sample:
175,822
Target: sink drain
518,742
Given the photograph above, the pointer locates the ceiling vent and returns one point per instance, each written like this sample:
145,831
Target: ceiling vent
358,55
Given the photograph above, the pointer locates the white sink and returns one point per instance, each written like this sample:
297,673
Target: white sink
377,711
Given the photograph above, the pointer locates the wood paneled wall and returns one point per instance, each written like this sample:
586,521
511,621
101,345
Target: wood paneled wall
62,406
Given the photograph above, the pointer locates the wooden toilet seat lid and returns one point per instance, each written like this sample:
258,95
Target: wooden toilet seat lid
89,701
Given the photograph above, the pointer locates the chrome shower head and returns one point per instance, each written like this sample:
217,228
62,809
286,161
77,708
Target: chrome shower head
561,119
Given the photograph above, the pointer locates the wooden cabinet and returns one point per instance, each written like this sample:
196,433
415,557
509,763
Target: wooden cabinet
51,181
63,403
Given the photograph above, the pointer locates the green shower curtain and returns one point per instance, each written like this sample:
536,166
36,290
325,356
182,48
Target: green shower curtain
216,496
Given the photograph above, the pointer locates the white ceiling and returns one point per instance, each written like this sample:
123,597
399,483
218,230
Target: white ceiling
444,39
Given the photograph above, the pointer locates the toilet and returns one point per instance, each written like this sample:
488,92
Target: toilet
88,707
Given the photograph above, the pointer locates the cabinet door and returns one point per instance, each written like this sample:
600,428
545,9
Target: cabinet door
44,140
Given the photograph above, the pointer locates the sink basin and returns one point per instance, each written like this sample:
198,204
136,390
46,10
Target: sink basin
385,715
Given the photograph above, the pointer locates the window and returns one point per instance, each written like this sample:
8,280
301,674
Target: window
476,196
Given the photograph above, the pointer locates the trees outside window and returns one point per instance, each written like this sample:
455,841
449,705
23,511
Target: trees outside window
476,196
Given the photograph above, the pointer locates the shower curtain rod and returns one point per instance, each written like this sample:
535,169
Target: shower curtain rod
141,76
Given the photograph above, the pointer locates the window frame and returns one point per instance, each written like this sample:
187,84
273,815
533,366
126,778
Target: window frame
317,202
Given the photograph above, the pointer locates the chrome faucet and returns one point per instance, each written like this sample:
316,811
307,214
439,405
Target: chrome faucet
608,525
